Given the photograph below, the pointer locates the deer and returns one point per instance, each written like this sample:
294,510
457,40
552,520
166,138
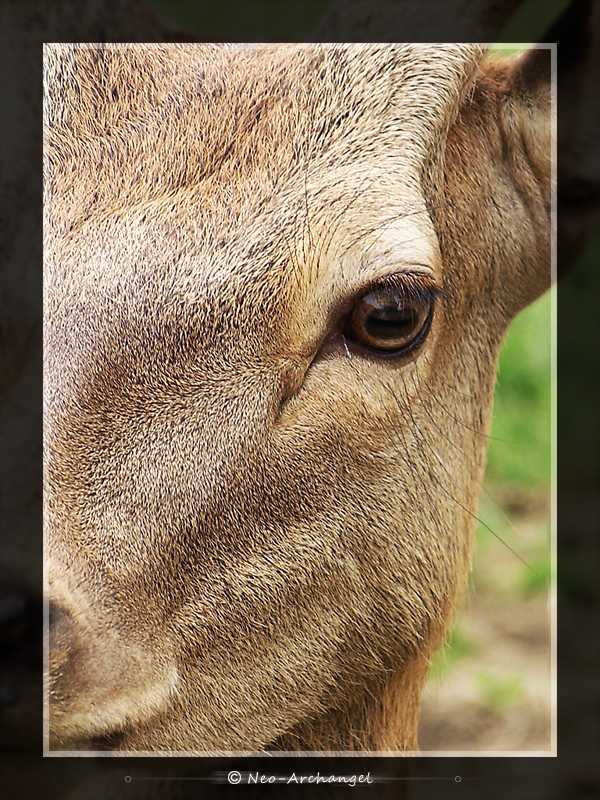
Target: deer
277,278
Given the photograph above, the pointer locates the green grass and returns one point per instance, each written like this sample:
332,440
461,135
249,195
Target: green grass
519,452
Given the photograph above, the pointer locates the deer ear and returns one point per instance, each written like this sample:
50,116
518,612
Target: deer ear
530,111
527,121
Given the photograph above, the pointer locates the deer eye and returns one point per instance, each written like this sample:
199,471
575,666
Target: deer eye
390,319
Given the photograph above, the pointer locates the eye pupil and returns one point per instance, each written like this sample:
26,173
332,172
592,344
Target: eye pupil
389,320
387,323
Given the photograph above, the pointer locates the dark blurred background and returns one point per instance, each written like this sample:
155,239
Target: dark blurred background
497,660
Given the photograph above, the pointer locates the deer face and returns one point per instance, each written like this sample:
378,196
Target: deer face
277,279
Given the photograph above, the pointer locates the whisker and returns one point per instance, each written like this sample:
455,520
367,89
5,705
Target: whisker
454,389
399,216
481,484
407,409
464,425
441,431
331,227
475,516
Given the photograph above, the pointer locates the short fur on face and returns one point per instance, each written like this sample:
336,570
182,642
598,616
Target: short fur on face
257,530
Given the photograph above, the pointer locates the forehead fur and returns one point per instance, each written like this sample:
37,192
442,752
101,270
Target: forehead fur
155,120
210,161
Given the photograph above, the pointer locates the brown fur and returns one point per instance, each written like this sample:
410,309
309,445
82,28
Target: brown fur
256,535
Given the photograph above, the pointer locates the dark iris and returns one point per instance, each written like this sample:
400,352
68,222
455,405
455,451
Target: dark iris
389,320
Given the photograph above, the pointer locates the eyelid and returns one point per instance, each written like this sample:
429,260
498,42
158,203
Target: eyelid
412,283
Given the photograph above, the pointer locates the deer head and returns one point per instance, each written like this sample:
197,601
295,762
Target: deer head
277,279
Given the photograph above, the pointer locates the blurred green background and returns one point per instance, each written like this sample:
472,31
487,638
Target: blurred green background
519,450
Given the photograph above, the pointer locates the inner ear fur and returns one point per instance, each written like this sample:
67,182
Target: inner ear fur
503,145
527,119
529,111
